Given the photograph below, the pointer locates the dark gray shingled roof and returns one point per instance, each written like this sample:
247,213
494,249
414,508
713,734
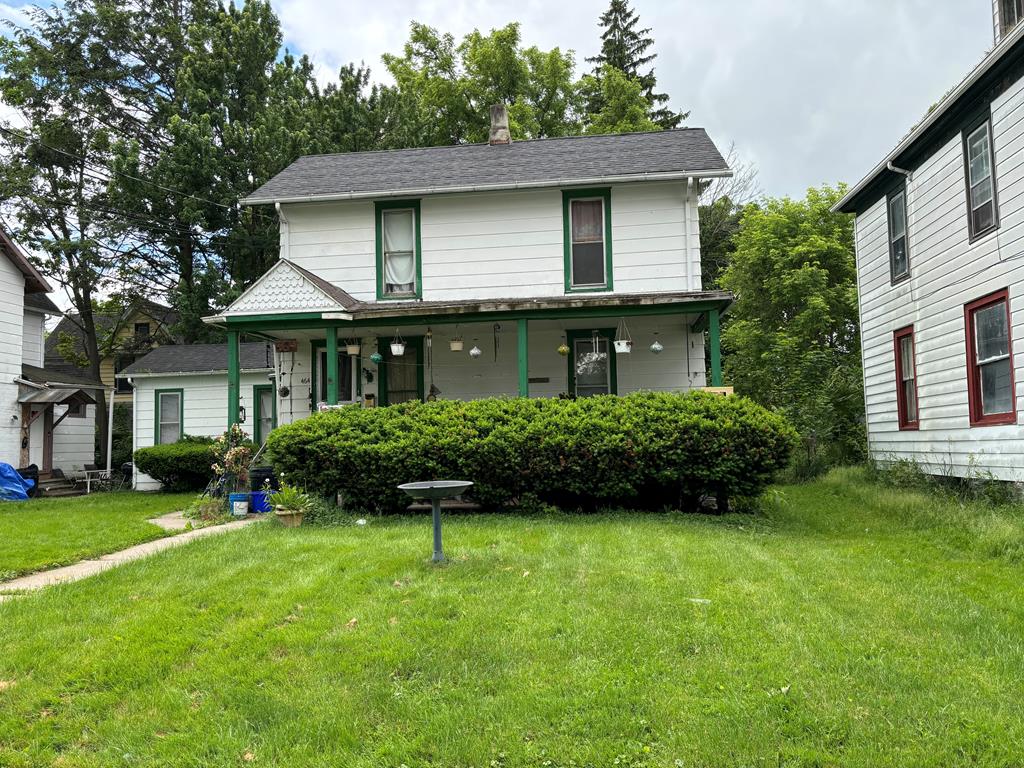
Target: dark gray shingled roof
566,160
199,358
57,377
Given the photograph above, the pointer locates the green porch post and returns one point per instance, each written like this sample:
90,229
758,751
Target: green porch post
234,379
714,337
332,366
524,344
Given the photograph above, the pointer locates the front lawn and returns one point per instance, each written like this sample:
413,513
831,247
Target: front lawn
847,625
44,533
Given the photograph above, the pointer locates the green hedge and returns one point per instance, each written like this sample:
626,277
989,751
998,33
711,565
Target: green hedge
647,450
182,466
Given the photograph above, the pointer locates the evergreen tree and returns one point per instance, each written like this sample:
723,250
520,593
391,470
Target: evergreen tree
626,48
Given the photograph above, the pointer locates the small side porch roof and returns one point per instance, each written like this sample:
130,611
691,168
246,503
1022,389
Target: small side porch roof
42,386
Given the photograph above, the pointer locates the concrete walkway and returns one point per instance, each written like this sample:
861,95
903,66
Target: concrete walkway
87,568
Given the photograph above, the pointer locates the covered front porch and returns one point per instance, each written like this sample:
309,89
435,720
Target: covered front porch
387,353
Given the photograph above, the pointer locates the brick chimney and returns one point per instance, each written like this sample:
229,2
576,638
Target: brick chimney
499,126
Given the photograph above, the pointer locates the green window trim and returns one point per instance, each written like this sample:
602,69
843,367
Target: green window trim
257,414
572,337
315,347
378,214
605,195
156,413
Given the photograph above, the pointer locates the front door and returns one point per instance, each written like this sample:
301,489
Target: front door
266,413
404,373
591,363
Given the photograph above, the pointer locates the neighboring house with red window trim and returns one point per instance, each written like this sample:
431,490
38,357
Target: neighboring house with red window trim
940,264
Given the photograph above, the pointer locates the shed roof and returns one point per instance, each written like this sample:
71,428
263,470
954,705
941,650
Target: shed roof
562,161
199,358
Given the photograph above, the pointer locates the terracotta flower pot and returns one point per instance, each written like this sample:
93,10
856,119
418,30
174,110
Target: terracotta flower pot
290,518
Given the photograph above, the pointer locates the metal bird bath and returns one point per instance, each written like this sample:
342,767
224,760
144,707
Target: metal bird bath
435,490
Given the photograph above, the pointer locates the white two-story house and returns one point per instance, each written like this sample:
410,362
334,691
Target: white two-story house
501,269
47,415
940,262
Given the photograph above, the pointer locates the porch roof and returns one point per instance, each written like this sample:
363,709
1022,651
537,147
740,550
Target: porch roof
58,379
360,314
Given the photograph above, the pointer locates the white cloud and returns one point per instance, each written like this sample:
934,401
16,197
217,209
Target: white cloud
811,90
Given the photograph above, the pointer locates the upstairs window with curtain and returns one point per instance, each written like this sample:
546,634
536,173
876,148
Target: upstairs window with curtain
587,234
906,379
398,231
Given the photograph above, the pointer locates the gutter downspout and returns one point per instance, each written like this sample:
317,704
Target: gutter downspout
894,169
285,231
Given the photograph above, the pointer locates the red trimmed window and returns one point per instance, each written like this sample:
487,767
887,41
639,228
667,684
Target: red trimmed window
990,385
906,378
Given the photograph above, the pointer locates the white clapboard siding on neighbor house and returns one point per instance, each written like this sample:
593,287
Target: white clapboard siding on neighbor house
32,338
74,440
503,244
206,408
12,302
947,272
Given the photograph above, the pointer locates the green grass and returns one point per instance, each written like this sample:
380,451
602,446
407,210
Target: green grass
847,625
44,533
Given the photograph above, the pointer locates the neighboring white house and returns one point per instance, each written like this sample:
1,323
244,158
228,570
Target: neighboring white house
506,268
181,390
47,415
940,241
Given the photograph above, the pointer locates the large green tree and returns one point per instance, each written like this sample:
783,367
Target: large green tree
54,178
792,339
627,49
444,90
621,105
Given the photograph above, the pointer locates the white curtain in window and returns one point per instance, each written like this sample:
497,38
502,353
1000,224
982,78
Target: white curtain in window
399,249
587,221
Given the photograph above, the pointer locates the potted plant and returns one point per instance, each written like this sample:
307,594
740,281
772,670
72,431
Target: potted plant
290,505
352,348
398,345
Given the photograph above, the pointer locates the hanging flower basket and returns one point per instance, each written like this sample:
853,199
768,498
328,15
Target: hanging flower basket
352,348
455,345
623,342
398,345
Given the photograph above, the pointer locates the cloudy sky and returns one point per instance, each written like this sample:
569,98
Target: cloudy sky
811,91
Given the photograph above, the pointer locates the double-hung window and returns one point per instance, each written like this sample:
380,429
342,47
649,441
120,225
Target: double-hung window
169,427
906,378
899,252
588,248
982,201
991,395
398,250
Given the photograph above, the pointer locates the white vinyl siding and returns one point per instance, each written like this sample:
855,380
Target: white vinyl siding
948,273
206,408
32,338
504,244
12,302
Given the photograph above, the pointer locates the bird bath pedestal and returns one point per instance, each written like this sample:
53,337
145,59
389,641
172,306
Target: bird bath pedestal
436,490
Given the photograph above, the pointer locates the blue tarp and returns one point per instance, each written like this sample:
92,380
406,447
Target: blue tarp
13,487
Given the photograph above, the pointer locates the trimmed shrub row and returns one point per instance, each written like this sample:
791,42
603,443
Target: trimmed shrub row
646,450
181,466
